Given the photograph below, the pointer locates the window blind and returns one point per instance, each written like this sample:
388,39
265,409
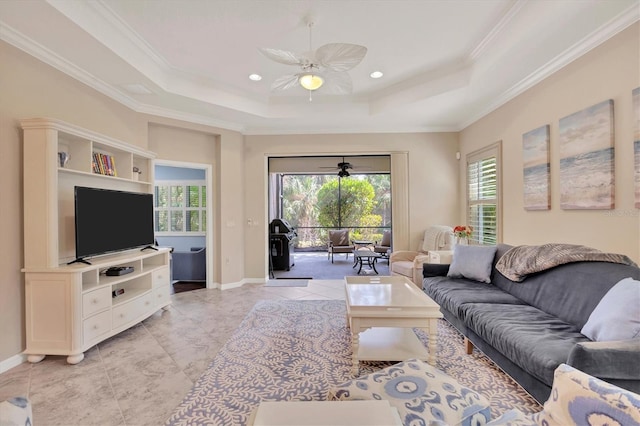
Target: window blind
483,195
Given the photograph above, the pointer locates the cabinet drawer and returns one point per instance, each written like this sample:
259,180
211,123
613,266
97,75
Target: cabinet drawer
95,301
162,295
96,326
131,310
160,277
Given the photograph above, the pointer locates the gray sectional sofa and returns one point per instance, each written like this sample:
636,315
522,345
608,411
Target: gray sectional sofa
529,328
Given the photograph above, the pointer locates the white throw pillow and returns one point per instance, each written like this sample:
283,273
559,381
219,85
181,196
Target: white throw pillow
472,262
617,316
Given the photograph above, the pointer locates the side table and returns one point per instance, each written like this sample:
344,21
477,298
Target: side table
370,256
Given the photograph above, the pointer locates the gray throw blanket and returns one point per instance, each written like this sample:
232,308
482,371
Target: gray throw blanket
521,261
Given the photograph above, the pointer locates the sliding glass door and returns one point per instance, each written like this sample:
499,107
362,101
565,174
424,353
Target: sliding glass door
317,203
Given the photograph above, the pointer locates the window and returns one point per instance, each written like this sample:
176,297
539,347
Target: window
180,208
483,194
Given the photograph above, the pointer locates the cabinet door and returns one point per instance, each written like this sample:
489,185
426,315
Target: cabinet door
51,309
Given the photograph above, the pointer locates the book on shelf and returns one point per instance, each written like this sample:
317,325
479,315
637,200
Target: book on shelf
104,164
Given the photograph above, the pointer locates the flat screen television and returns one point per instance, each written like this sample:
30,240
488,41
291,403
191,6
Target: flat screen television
108,221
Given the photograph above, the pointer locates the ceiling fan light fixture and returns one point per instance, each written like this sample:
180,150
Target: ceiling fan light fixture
343,173
311,81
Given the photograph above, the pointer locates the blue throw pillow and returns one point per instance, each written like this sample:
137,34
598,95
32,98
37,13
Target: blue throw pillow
472,262
617,316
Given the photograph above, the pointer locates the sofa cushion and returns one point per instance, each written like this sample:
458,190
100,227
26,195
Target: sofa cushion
421,394
532,339
570,292
577,398
472,262
617,316
452,293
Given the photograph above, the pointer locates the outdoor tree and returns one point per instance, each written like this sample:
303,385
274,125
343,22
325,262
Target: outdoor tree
356,202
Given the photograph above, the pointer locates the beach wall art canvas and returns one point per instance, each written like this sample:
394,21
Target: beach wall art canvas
535,150
636,141
586,158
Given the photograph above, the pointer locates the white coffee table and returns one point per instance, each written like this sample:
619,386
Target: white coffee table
323,413
382,312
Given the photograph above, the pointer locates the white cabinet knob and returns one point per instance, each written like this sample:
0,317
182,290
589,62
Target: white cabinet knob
94,301
95,327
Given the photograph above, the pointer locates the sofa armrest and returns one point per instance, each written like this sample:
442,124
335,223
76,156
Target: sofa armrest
607,360
403,255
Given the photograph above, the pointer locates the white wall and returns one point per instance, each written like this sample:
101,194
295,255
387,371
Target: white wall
29,89
611,71
433,179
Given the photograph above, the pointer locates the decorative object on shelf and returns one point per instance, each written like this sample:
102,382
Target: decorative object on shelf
462,234
63,158
136,173
586,158
636,141
535,150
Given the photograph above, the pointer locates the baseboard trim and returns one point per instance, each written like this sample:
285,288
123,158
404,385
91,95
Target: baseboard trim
14,361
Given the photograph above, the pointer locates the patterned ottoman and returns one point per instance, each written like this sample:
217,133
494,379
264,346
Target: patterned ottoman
421,394
16,412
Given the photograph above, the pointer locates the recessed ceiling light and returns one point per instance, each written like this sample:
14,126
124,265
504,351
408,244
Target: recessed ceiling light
376,74
255,77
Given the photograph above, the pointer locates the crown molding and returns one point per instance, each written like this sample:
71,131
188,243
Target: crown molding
38,51
119,25
189,118
496,30
260,131
617,24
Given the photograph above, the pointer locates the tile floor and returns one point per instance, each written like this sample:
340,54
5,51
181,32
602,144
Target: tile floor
139,376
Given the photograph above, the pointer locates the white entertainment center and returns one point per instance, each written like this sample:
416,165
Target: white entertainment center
70,308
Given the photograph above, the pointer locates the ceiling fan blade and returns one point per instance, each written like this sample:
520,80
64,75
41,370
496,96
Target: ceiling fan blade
337,83
285,82
282,56
340,56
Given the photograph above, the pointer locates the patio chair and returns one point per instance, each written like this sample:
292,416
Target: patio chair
385,245
339,242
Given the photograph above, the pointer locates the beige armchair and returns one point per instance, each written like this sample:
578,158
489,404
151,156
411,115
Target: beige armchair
409,263
339,242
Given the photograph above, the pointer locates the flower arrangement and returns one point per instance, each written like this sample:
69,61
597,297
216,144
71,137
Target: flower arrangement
463,231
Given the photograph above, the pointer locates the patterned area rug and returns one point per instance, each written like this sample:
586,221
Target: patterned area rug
298,350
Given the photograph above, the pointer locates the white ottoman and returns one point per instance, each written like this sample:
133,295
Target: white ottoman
421,394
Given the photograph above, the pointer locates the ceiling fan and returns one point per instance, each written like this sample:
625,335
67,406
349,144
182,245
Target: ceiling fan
342,167
325,66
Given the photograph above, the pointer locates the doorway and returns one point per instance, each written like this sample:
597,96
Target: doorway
319,194
183,220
